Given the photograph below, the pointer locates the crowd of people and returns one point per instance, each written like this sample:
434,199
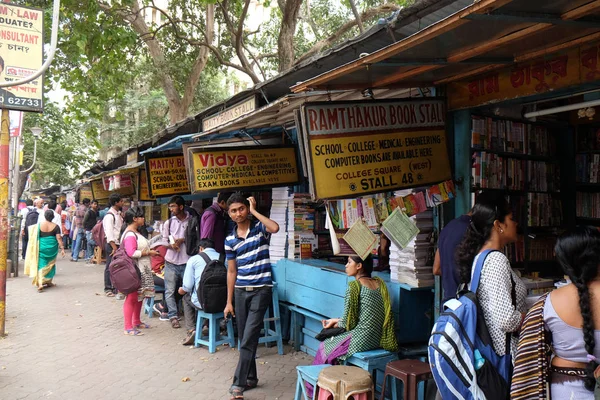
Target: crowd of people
232,230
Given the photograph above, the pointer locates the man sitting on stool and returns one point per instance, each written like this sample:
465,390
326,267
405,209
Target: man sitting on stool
191,277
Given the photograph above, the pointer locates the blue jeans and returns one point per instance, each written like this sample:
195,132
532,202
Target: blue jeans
89,251
77,244
173,280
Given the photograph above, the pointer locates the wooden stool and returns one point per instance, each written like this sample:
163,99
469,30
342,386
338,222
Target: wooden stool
97,259
343,383
214,338
410,372
307,374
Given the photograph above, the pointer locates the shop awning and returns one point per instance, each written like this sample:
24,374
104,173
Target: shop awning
484,36
172,144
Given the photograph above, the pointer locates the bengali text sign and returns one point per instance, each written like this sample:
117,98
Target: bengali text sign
218,169
392,145
167,176
99,193
21,55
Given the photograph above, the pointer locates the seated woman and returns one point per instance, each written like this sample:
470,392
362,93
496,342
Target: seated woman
367,318
569,321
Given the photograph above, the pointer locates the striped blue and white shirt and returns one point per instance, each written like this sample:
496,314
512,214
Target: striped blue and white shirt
251,256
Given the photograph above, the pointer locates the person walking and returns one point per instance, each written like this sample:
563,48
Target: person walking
112,223
29,207
249,280
176,256
89,221
137,247
44,242
80,234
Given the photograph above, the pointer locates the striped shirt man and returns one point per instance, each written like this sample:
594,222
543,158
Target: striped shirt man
251,256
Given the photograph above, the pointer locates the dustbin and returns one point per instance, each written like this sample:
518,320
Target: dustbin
13,243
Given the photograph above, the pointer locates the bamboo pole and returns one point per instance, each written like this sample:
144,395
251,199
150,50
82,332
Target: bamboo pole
4,227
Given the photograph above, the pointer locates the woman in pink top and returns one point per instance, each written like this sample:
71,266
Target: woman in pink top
138,248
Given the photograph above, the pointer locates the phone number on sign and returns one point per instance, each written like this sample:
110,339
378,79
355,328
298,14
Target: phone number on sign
17,101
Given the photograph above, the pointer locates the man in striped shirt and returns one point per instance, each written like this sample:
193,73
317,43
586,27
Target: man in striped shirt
249,279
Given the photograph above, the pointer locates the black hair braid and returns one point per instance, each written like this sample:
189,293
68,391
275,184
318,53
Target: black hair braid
588,331
467,250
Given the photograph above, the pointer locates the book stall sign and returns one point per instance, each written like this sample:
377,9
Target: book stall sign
167,176
576,66
143,188
21,55
212,170
85,192
98,191
358,148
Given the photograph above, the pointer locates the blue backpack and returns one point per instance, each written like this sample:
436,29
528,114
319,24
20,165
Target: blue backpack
461,354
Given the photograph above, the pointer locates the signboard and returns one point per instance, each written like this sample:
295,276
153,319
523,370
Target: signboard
85,192
98,191
229,114
21,55
116,182
217,169
365,147
143,189
560,70
167,176
132,156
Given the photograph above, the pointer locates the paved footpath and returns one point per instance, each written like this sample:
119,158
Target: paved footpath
68,343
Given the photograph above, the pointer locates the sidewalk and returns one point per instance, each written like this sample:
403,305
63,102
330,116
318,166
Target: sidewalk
68,343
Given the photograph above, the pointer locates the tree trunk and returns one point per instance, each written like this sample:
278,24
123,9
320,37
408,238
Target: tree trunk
285,42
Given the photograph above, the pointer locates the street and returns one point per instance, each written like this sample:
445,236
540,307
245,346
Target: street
68,343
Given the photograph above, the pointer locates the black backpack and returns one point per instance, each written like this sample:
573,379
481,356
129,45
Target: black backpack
192,233
212,288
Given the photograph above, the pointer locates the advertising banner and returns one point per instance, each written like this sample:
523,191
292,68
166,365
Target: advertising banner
167,176
85,192
218,169
21,55
99,193
364,147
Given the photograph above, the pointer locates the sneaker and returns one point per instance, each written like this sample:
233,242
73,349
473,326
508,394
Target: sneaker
120,296
163,317
189,339
158,308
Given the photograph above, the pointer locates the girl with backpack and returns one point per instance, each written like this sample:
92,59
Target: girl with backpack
138,248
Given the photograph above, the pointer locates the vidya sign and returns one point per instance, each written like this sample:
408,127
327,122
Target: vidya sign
21,55
212,170
229,114
366,147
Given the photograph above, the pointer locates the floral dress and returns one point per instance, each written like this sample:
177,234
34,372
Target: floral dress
144,265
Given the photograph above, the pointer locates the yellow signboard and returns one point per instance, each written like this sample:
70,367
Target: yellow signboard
235,169
143,189
358,148
21,55
99,193
167,176
85,192
560,70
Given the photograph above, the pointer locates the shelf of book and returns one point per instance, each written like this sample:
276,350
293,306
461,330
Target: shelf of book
588,221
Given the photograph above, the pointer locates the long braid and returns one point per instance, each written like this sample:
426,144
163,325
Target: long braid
588,331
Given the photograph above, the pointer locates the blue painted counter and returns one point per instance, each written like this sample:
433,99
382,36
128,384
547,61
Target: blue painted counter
319,287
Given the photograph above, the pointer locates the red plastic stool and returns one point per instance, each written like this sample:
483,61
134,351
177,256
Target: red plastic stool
410,372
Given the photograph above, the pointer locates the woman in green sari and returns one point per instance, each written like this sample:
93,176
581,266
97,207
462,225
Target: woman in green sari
42,249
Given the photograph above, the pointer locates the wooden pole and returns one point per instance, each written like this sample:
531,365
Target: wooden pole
4,227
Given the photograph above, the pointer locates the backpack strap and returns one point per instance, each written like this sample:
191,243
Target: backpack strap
222,258
205,257
477,269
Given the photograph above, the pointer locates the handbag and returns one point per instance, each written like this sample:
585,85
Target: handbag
329,332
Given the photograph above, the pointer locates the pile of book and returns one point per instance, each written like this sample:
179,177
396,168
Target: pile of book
413,264
301,233
279,213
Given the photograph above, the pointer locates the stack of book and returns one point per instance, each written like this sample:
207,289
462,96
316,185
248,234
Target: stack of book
301,234
279,213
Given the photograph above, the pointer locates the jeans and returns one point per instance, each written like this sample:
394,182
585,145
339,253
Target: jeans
89,251
173,280
250,308
108,286
66,241
189,312
77,244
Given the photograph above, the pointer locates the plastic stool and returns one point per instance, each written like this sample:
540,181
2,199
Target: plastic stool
410,372
307,374
149,301
373,361
342,383
271,335
214,338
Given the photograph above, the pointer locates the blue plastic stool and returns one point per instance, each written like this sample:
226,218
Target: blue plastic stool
310,374
214,338
373,361
149,301
270,335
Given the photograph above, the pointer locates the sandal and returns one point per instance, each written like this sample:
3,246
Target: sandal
236,394
40,289
175,324
109,294
142,325
133,332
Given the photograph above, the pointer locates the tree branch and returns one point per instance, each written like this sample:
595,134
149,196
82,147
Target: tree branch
357,16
